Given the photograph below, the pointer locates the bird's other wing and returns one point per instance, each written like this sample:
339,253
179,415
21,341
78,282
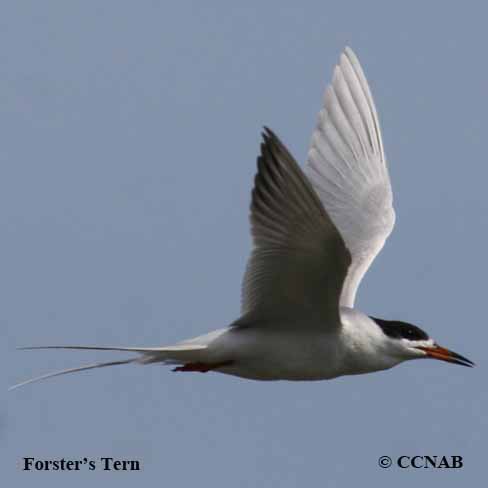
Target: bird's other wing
299,261
346,165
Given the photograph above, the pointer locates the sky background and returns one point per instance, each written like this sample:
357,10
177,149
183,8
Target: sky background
129,132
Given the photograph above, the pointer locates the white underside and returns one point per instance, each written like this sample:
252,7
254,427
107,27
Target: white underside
289,351
295,350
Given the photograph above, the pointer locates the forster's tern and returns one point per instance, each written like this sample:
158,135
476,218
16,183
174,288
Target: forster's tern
316,232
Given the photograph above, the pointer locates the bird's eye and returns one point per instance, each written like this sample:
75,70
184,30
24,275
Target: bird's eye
413,334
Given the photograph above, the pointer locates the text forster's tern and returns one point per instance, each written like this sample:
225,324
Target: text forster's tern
316,232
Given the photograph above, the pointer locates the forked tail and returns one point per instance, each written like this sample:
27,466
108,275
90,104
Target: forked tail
176,354
72,370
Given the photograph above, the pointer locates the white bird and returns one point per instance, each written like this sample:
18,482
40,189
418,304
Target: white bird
316,232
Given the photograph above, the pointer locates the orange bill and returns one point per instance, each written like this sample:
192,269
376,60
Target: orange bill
438,352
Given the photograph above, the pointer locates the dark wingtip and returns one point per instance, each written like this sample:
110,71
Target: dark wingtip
268,133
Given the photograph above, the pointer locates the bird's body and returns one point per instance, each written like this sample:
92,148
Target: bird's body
295,350
316,232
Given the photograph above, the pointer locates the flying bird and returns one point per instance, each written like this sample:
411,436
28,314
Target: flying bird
315,233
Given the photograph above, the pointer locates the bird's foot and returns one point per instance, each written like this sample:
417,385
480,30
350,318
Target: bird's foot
202,367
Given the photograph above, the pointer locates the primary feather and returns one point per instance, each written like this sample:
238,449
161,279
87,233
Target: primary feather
346,165
299,261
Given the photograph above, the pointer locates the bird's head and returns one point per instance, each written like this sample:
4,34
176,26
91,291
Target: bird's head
408,341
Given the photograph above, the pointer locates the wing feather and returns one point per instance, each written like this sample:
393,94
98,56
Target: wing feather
299,256
346,166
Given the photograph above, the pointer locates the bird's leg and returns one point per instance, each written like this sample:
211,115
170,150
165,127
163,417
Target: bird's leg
202,367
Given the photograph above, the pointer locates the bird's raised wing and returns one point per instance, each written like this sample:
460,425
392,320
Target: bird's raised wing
346,165
299,261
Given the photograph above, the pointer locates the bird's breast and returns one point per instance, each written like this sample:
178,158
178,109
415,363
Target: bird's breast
274,354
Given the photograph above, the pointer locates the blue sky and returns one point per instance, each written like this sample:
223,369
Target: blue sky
129,137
